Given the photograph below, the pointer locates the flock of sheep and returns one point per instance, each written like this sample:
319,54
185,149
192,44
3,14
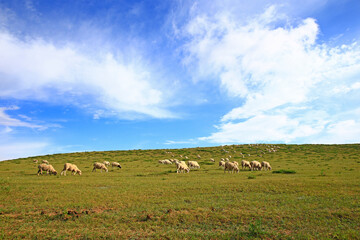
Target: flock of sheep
226,164
181,166
49,169
230,166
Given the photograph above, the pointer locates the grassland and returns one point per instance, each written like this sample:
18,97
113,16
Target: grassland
313,194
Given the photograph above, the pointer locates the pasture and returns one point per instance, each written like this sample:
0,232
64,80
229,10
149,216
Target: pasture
312,192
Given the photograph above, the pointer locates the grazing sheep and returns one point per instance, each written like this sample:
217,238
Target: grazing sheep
198,156
48,168
245,164
35,161
235,162
229,166
182,167
167,161
265,165
212,160
106,163
193,164
255,165
70,167
100,166
115,164
222,163
45,161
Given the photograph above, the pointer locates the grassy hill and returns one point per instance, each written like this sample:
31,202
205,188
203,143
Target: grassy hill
319,198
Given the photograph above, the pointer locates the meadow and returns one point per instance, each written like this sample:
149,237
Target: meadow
312,192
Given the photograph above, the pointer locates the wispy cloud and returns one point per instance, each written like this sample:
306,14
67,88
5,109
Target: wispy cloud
8,121
21,149
280,75
38,70
191,141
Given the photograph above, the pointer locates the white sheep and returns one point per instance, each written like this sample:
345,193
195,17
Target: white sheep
115,164
255,165
45,161
222,163
229,166
245,164
106,163
167,161
265,165
101,166
198,156
35,161
193,164
48,168
212,160
72,168
182,167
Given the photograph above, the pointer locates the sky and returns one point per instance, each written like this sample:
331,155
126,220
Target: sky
116,75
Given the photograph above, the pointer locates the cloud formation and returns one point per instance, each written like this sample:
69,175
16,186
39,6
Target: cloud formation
287,84
32,69
8,121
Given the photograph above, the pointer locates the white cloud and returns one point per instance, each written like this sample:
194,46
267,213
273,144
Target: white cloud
37,70
7,121
171,142
280,75
22,149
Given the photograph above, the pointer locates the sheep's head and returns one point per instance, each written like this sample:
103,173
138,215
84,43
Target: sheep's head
79,172
119,166
54,172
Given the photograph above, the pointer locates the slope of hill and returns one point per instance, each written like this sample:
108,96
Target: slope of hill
320,198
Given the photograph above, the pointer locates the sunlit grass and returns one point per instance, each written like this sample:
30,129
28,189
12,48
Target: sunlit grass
144,199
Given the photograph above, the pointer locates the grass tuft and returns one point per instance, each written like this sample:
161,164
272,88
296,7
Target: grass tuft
284,171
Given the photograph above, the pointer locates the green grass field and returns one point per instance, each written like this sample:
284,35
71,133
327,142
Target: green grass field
312,192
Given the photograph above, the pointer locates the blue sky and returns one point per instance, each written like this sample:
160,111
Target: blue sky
117,75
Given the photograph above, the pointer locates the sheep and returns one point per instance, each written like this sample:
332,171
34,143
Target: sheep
115,164
245,164
212,160
229,166
166,161
193,164
265,165
255,165
101,166
48,168
235,162
70,167
198,156
45,161
106,163
181,167
222,163
35,161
